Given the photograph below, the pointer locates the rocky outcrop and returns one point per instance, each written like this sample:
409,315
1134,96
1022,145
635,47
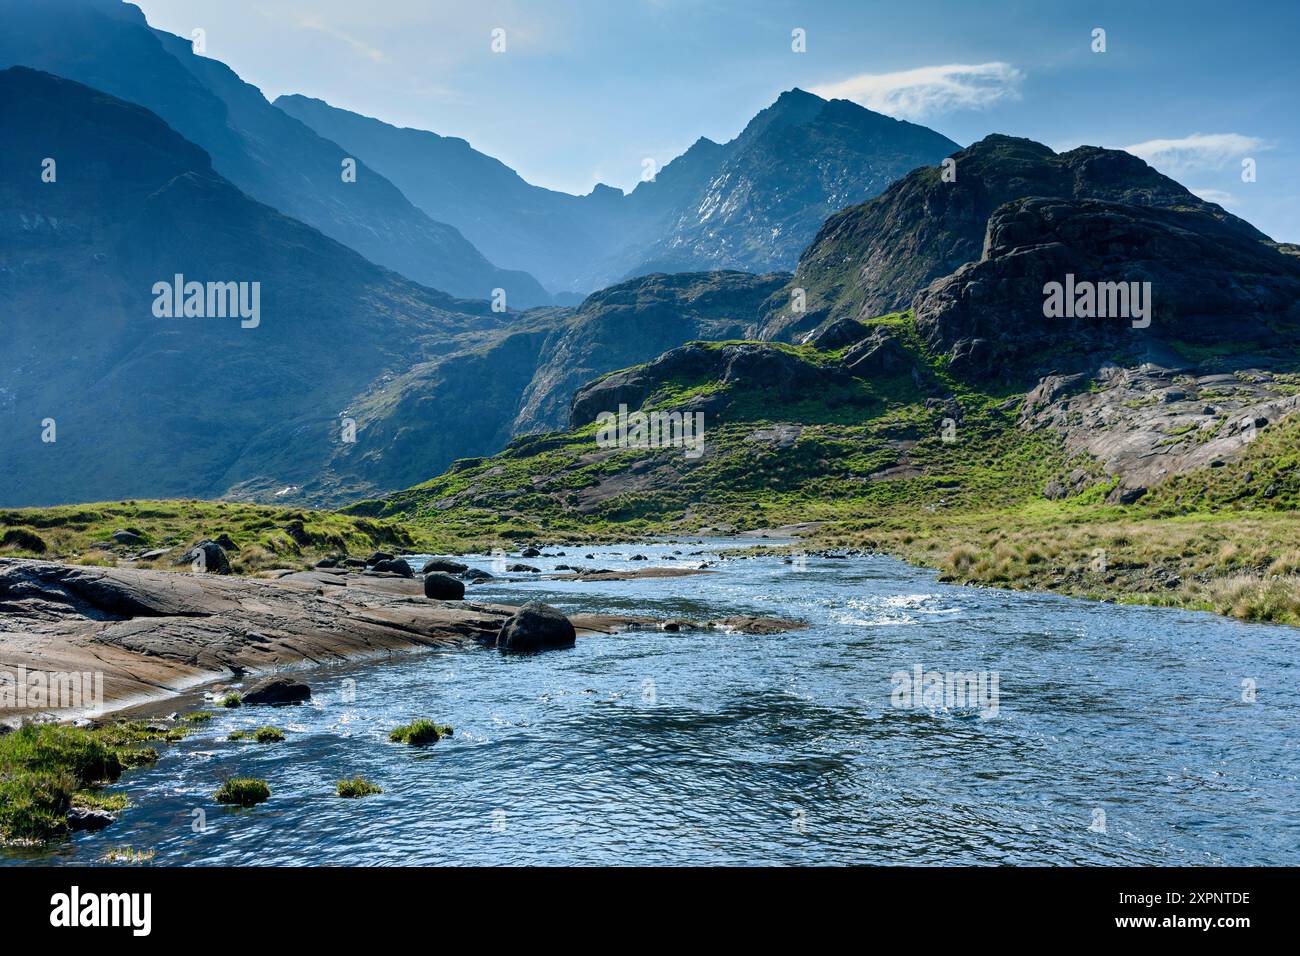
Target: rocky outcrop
1209,284
752,364
393,566
870,259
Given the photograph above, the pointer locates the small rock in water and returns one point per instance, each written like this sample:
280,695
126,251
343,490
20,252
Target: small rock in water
530,553
84,818
276,691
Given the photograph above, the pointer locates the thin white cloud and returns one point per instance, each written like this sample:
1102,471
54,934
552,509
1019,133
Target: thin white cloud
929,90
365,49
1200,151
1220,196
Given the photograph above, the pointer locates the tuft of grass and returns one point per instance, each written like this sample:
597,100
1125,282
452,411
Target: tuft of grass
419,732
198,717
127,854
262,735
92,800
356,787
243,792
232,700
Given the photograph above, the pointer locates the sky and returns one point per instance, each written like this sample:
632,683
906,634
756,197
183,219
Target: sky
585,90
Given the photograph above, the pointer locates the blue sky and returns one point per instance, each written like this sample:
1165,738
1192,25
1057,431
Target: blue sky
587,89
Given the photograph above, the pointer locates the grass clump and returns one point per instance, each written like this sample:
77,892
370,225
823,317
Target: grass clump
231,700
127,854
243,792
356,787
41,767
262,735
198,717
108,802
419,732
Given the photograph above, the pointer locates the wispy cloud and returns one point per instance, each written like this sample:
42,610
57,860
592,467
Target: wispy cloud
1200,151
365,49
1220,196
929,90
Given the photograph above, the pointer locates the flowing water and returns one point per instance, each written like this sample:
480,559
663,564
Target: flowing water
1118,735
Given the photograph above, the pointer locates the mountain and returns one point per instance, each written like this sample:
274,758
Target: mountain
520,380
750,204
871,258
516,224
974,398
273,158
146,404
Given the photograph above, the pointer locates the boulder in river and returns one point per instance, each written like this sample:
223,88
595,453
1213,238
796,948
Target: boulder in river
522,569
443,587
536,627
530,553
377,557
445,565
277,691
476,574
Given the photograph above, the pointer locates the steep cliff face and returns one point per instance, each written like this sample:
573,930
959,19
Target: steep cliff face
872,258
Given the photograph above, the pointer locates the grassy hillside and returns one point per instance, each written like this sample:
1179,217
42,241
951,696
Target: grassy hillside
952,483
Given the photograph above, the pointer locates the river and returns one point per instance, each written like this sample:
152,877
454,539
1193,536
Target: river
1118,735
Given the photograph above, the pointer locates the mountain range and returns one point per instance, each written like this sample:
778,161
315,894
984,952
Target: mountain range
750,204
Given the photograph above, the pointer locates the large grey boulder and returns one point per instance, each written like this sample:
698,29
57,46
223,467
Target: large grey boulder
536,627
443,587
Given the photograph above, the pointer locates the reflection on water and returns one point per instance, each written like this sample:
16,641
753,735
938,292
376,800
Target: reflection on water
1121,736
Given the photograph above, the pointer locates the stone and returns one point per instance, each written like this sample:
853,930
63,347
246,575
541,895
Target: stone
536,627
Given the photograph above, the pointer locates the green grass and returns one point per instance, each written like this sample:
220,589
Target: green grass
46,768
419,732
243,792
356,787
265,536
262,735
198,717
232,700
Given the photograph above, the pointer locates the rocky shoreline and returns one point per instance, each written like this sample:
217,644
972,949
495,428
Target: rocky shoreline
150,636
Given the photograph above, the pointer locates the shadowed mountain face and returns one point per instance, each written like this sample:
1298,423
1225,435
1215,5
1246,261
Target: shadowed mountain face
150,405
872,258
108,45
521,380
751,204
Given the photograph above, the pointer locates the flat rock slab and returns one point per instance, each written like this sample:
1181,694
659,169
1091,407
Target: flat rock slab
154,634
